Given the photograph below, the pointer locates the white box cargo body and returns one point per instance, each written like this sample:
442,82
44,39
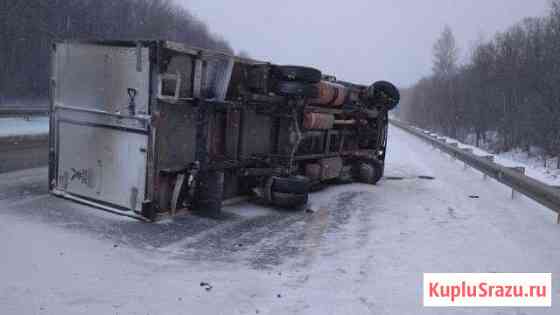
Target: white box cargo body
119,123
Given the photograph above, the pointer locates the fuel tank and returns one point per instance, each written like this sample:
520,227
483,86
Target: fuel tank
318,121
330,94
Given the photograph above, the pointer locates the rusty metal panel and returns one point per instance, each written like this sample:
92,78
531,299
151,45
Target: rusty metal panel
218,76
182,66
255,134
217,134
324,169
233,125
331,168
176,135
313,171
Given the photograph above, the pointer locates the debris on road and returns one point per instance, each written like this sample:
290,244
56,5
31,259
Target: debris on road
427,177
206,286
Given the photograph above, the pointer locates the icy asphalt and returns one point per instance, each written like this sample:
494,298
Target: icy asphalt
362,251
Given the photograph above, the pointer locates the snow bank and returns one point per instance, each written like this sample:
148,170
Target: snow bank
22,127
534,166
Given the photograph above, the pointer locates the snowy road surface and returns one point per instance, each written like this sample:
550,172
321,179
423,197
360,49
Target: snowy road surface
363,251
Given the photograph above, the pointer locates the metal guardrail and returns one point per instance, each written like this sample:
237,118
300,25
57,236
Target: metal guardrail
546,195
23,112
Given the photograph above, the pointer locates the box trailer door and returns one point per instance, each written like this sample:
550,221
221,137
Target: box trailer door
99,127
103,164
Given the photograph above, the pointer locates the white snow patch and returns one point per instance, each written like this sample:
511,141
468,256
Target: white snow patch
22,127
534,165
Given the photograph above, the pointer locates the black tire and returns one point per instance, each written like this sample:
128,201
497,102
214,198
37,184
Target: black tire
365,173
380,170
297,73
291,185
386,93
296,89
369,172
209,194
289,201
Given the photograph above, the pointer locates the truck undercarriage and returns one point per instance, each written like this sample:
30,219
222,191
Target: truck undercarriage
146,128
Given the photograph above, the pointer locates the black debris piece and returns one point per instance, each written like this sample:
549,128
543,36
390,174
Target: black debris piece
206,286
426,177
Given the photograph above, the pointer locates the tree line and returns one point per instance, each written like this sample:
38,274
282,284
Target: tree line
29,27
509,88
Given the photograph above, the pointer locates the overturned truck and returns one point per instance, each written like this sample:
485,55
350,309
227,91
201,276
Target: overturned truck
145,128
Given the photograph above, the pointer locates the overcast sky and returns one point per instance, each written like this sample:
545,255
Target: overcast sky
357,40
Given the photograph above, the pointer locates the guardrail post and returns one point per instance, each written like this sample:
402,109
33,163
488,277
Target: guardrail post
452,155
443,140
558,218
469,151
491,159
431,143
520,170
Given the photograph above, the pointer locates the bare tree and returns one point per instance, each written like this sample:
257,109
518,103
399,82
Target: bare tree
445,67
28,27
508,87
446,54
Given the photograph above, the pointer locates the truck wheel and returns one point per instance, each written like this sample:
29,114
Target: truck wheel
386,93
209,194
300,89
380,169
297,73
369,172
292,185
289,201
